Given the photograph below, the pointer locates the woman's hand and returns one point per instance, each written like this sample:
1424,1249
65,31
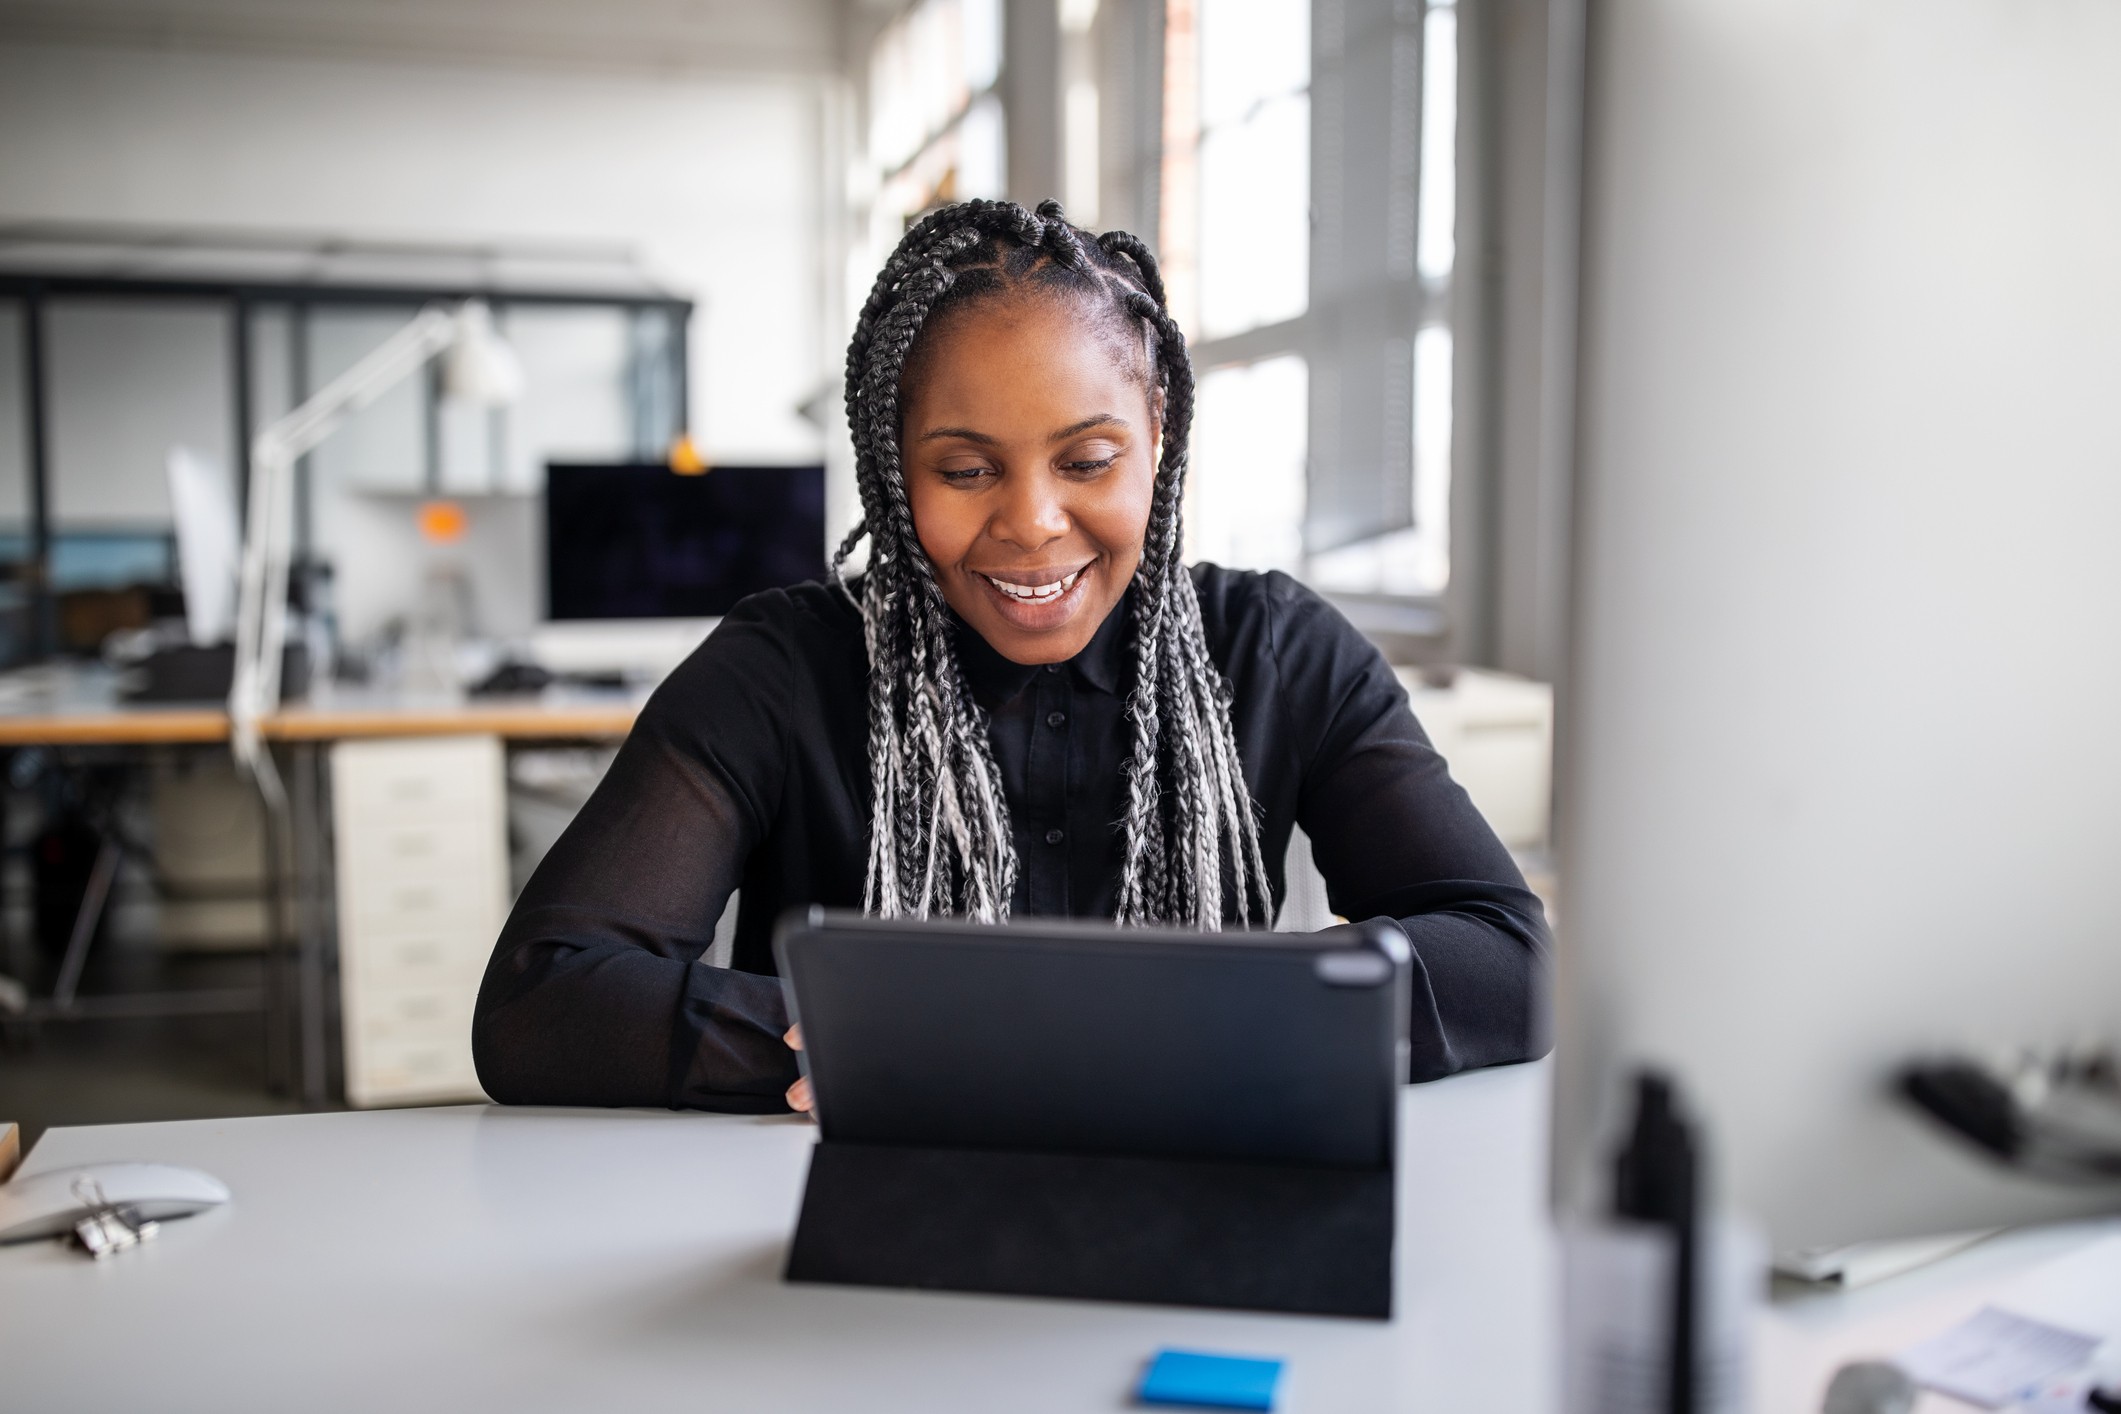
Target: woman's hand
798,1093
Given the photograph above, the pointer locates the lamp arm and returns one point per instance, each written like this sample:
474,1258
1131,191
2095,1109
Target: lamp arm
261,597
384,367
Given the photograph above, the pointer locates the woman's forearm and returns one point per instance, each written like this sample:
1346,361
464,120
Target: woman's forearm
564,1021
1477,989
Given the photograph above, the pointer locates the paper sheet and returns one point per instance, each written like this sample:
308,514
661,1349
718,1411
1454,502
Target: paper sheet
1992,1357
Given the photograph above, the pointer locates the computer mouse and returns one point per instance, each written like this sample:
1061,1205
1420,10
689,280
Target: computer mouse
1870,1387
50,1204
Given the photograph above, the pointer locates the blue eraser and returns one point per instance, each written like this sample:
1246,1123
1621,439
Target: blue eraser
1210,1381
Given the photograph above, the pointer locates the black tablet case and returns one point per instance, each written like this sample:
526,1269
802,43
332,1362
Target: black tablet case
1069,1110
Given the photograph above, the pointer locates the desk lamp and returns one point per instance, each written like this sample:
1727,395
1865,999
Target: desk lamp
477,367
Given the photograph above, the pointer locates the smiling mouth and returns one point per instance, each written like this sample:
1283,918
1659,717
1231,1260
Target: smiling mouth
1035,593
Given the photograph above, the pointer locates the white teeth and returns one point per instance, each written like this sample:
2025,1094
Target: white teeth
1036,594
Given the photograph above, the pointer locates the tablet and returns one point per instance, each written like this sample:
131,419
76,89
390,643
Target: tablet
1075,1037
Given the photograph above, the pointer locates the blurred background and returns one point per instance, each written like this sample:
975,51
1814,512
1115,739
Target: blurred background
213,211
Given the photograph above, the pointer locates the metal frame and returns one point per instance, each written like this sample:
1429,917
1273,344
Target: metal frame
65,1002
301,928
244,298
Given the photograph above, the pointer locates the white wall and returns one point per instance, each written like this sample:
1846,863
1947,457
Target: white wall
714,179
663,36
1841,777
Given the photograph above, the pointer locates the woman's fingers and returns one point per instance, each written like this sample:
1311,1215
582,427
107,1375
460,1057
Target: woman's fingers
798,1093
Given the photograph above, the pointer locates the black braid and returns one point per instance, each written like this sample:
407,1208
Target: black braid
939,837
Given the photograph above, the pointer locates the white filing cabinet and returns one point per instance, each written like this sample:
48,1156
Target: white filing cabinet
1496,732
421,843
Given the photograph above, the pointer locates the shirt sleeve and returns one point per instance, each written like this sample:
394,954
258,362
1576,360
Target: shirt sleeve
597,992
1397,838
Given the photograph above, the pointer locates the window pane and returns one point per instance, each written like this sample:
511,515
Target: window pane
160,373
1417,560
1245,490
983,44
1255,218
1428,565
1079,183
981,150
1251,50
1437,242
924,69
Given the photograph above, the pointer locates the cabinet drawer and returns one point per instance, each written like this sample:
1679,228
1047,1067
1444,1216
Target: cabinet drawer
434,907
450,849
401,1072
415,782
388,1014
415,959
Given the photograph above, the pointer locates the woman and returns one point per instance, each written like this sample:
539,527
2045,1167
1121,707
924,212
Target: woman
1026,705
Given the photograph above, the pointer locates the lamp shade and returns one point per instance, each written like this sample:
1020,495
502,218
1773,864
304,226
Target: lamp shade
480,367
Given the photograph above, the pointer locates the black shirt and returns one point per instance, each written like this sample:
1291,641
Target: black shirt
749,768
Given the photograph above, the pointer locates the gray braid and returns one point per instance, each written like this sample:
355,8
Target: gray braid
939,839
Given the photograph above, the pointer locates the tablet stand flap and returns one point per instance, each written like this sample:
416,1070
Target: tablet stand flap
1183,1232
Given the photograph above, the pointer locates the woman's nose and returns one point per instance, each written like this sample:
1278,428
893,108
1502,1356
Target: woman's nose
1033,513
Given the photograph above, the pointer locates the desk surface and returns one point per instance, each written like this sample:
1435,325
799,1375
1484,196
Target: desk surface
482,1258
487,1258
68,707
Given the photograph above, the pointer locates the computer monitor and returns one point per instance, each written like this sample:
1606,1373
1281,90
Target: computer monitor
640,560
640,541
1841,769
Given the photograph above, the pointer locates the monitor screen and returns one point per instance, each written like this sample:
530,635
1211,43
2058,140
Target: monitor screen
640,541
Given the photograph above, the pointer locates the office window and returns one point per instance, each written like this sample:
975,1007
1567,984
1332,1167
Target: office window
935,124
1255,163
1237,250
1413,559
1245,499
1308,234
1414,562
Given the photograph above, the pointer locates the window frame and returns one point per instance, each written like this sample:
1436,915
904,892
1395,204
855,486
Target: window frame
1368,297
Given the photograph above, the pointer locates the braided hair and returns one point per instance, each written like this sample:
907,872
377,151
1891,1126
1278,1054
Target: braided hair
939,832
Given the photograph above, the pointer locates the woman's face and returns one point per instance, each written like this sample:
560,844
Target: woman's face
1030,459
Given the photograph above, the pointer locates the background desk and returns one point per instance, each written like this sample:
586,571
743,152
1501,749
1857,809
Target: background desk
79,708
44,707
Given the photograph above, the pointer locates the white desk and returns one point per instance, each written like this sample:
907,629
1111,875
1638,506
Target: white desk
481,1258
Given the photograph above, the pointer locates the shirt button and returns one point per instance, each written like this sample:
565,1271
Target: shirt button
1054,719
1054,836
1052,667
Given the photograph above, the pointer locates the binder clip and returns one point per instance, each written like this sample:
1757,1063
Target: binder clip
108,1227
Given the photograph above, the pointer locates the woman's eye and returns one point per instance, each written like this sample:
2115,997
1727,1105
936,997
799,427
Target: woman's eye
961,475
1088,467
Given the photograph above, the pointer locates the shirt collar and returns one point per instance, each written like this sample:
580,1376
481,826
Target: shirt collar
995,679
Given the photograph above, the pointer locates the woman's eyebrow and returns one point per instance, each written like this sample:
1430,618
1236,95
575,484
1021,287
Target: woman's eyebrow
1073,429
963,434
1076,429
